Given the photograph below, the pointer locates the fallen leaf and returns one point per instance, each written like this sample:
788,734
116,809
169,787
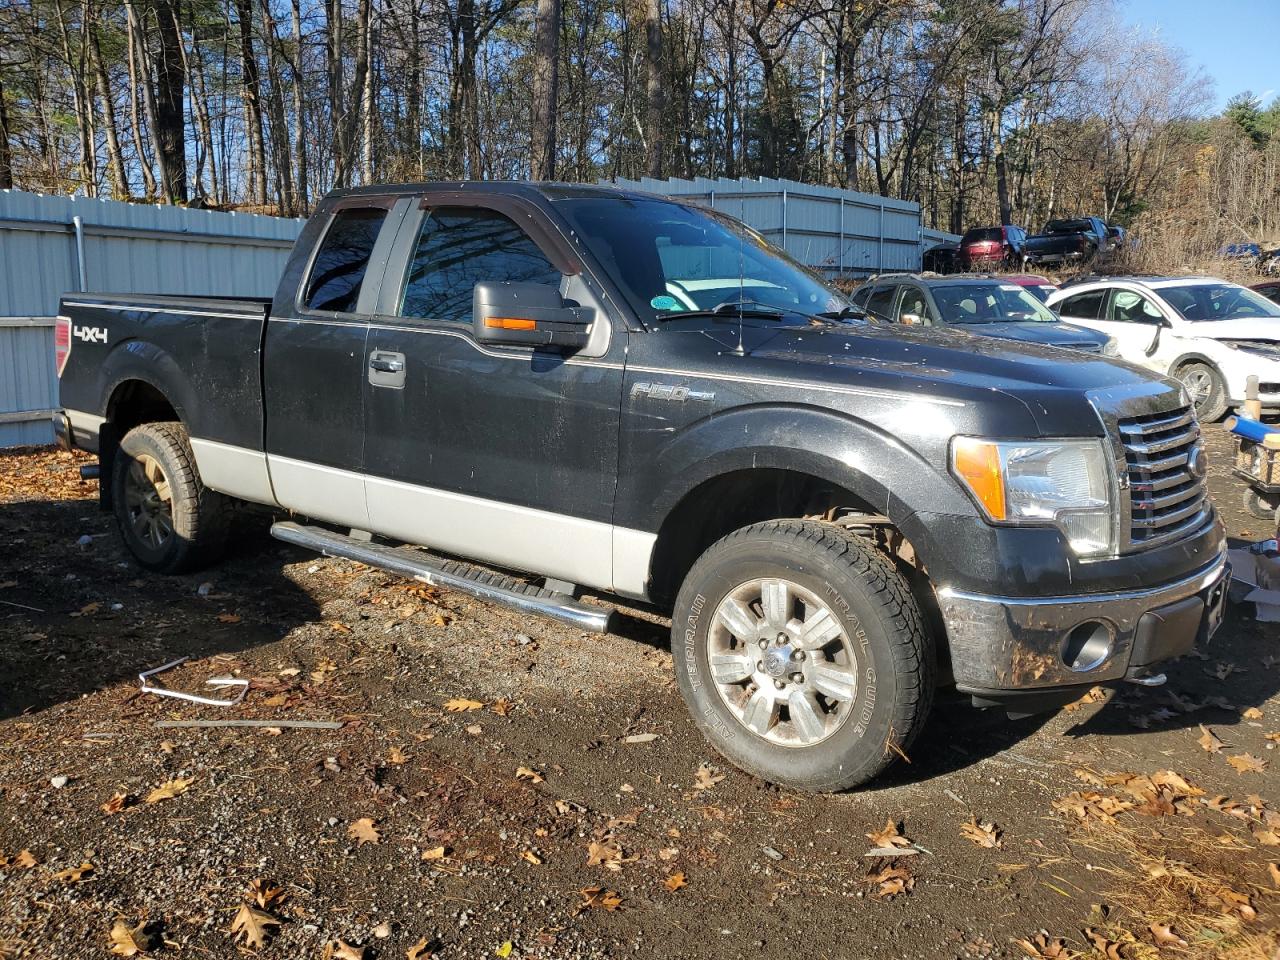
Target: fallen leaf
528,773
598,898
250,925
502,707
397,757
341,950
462,705
504,951
117,803
75,874
889,836
531,857
435,853
1253,713
424,949
605,854
1103,944
1209,741
1044,947
265,894
363,831
229,617
169,790
706,778
984,833
675,881
1274,871
1164,936
640,738
25,860
890,881
1266,836
1247,763
127,941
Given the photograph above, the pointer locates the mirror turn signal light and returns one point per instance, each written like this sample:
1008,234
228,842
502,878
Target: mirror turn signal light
978,464
511,323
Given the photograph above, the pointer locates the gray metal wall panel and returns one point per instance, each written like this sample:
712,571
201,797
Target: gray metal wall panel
128,248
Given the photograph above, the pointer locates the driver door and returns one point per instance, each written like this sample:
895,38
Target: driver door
1133,320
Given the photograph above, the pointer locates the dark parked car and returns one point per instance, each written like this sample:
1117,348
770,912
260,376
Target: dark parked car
944,258
984,248
1076,240
606,390
985,306
1039,287
1270,289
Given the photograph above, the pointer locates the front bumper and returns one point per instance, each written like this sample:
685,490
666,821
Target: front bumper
1004,644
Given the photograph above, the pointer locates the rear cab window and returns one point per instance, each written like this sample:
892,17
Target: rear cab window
458,247
338,270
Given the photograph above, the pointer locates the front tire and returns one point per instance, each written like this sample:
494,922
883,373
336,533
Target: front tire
169,520
1205,388
802,655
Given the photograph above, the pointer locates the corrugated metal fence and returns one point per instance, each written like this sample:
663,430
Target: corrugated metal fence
53,245
842,233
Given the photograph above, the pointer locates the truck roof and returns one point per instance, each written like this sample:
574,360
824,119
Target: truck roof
547,189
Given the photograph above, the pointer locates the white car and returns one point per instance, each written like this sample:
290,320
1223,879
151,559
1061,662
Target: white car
1208,333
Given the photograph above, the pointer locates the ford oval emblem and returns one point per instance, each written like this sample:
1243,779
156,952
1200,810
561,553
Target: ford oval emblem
1196,465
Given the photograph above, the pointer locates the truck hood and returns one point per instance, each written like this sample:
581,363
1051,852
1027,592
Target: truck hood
1051,385
1039,331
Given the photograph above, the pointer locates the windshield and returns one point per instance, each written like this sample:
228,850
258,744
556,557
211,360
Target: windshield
988,303
982,234
1218,301
669,259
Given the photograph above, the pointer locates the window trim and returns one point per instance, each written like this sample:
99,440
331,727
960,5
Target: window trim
386,203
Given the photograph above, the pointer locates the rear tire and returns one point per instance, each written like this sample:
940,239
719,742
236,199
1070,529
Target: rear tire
169,520
1205,388
845,677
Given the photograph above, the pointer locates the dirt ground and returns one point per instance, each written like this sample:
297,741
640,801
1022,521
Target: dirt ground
507,787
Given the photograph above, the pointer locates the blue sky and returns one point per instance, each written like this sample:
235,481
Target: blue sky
1235,41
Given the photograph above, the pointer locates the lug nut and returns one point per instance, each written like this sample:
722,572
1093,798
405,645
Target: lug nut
798,655
779,684
763,644
759,664
798,677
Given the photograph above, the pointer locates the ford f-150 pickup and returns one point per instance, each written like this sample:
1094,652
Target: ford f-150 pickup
590,390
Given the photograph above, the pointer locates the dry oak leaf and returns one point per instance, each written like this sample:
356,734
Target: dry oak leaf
250,925
265,894
1237,902
424,949
1164,936
528,773
25,860
167,791
605,854
502,707
598,898
117,803
1044,947
706,777
890,881
341,950
75,874
1103,944
889,836
1247,763
984,833
435,853
1209,741
127,941
462,705
531,857
1274,871
397,757
363,831
675,882
1253,713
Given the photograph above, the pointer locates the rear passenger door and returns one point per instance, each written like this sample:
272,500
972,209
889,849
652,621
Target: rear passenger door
497,453
314,366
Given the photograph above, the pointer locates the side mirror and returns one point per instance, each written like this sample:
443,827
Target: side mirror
911,319
527,314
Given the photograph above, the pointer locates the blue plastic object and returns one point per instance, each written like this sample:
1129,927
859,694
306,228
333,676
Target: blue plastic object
1250,429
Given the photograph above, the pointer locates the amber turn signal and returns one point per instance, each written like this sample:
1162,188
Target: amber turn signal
511,323
977,463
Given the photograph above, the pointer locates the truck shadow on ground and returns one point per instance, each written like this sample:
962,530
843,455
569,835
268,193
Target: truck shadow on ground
77,616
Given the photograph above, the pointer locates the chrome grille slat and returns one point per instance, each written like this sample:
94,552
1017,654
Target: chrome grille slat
1167,500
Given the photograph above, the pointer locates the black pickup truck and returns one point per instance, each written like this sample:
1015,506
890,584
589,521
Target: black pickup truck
1077,240
586,389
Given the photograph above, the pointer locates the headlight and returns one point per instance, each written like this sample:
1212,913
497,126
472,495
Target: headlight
1065,483
1111,348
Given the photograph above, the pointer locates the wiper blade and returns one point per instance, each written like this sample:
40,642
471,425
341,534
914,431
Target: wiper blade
732,308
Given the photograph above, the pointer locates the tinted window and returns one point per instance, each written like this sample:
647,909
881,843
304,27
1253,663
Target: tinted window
860,298
987,303
1218,301
1083,306
343,257
1069,226
881,301
459,247
982,233
913,302
1129,307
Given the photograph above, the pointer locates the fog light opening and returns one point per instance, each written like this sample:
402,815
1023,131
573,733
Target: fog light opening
1087,646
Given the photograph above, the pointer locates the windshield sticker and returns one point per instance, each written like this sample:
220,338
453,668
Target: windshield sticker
665,303
1011,287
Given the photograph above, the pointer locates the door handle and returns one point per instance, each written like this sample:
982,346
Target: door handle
386,364
386,369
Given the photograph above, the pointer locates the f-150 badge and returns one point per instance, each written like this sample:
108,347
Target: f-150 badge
669,391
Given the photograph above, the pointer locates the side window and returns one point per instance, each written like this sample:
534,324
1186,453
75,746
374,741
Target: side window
860,297
339,267
1083,306
459,247
881,302
912,302
1129,307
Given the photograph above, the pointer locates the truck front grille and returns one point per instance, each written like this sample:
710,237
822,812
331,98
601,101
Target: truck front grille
1166,475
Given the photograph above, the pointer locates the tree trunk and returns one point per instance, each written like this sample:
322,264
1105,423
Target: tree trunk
81,105
135,112
171,93
337,99
193,66
252,85
279,126
546,88
368,105
143,60
119,176
299,112
1001,166
6,152
653,88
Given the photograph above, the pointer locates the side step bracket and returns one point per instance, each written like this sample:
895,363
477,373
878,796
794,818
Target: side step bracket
462,577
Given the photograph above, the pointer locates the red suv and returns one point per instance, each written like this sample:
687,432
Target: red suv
985,247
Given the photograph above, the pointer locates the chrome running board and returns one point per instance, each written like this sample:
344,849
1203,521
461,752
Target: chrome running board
452,574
